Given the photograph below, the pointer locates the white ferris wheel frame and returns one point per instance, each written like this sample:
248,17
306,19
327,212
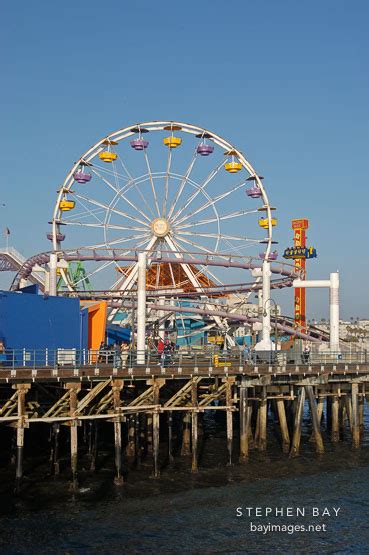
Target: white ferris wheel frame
126,286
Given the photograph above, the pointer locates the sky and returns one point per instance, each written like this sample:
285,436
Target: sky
286,82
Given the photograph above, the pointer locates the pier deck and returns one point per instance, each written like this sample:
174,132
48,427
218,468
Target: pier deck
140,401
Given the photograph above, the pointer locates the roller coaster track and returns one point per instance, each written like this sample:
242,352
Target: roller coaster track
12,260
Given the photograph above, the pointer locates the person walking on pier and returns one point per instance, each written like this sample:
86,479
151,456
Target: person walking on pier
306,354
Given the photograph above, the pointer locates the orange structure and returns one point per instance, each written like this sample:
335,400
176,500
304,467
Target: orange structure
299,240
168,276
97,314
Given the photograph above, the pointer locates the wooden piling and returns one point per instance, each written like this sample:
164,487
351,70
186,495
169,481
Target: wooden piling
170,437
73,388
283,425
55,461
315,420
361,408
295,448
355,416
22,390
335,426
149,439
194,428
117,386
131,444
229,404
155,429
263,417
138,450
245,416
348,409
186,435
94,450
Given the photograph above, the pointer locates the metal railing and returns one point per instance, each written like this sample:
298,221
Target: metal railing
75,358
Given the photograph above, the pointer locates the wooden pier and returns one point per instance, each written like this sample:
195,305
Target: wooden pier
143,401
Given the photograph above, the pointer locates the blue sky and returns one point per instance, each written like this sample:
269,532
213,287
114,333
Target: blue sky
287,82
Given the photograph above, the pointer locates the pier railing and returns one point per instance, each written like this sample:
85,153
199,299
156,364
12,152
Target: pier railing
77,358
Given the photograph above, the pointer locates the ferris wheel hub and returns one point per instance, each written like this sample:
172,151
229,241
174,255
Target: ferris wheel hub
160,227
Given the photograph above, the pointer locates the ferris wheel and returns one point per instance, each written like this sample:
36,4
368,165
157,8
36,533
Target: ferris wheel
167,188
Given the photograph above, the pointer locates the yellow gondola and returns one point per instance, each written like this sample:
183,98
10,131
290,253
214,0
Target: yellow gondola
108,156
172,142
233,167
66,205
264,222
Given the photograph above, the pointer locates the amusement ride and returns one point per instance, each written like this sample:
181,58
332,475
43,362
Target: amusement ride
193,203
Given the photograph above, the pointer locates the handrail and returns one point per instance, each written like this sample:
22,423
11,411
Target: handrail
208,357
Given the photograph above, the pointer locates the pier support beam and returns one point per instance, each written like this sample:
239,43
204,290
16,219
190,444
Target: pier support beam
22,390
194,428
141,308
245,420
283,425
186,435
156,428
170,438
335,431
117,386
262,420
315,420
355,416
361,409
55,461
149,433
53,263
131,444
295,448
73,388
229,404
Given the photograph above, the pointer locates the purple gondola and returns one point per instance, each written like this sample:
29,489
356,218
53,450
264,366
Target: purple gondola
254,192
59,237
82,177
204,150
272,256
139,144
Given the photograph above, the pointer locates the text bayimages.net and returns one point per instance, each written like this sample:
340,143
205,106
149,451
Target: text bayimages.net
308,513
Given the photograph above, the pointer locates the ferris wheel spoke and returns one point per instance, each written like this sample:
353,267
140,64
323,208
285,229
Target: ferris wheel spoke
151,181
182,185
157,279
204,269
121,279
93,272
172,274
137,188
124,167
121,194
109,208
106,181
218,236
219,218
193,244
107,170
102,225
211,202
86,213
166,186
237,248
201,188
108,244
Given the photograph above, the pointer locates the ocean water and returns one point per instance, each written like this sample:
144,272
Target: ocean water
195,513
